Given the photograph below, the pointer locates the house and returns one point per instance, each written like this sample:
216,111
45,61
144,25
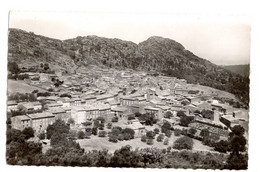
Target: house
154,110
20,122
40,121
105,97
60,113
75,102
138,128
11,106
119,111
31,106
127,101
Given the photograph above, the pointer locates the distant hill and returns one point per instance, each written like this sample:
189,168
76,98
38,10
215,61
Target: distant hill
242,70
155,55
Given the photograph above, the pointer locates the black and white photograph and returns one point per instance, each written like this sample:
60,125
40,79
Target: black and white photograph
127,90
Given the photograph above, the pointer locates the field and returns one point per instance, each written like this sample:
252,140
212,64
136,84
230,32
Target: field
14,86
98,143
209,90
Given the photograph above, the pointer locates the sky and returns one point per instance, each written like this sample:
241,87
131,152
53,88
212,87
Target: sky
223,40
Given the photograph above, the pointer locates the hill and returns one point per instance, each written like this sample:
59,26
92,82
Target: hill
156,54
242,70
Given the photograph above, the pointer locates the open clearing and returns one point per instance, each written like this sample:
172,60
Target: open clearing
20,86
99,143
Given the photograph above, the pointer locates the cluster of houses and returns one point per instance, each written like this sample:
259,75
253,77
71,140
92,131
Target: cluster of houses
111,93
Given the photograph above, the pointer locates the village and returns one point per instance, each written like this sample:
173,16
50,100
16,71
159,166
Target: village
120,98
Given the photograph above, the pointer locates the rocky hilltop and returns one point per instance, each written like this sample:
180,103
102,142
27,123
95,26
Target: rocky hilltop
156,54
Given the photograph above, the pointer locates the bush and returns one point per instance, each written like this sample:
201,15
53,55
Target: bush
166,126
41,136
114,119
81,135
150,142
109,125
121,137
94,131
160,138
156,130
166,141
177,132
112,138
168,115
150,134
102,134
28,132
183,143
143,138
168,133
222,146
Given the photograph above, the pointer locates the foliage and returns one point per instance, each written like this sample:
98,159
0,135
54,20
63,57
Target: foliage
59,127
150,134
147,119
81,135
94,131
168,133
102,134
185,120
143,138
183,143
28,132
165,127
71,121
168,114
222,146
156,130
166,141
177,132
13,67
65,95
109,125
41,136
149,141
204,133
43,94
114,119
160,138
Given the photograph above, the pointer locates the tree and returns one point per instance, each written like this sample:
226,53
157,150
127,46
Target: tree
128,133
222,146
59,127
94,131
81,135
160,138
109,125
143,138
166,126
204,133
192,131
183,143
112,138
41,136
185,120
28,132
71,121
115,119
168,114
13,67
149,141
168,133
150,134
102,134
166,141
156,130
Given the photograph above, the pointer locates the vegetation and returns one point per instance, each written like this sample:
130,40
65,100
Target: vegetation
183,143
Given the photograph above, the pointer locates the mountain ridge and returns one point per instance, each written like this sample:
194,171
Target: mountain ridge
157,55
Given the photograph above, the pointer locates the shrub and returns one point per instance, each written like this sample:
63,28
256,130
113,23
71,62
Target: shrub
168,115
109,125
160,138
150,134
166,126
41,136
112,138
102,134
156,130
150,142
28,132
183,143
114,119
177,132
94,131
81,135
121,137
222,146
144,138
168,133
166,141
